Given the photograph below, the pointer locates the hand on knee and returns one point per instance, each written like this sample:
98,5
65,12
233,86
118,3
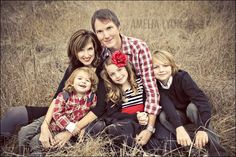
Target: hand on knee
183,137
201,139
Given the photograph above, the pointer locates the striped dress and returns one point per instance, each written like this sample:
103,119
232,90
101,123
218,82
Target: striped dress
134,101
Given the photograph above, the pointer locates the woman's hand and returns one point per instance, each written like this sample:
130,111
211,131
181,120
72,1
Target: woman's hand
183,137
46,137
61,139
142,118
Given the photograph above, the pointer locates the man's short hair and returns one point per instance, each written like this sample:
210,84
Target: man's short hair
104,14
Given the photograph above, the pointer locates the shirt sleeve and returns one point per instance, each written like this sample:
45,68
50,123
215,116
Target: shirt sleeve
59,115
198,98
147,74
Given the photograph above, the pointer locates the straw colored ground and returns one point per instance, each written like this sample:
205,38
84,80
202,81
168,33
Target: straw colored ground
34,37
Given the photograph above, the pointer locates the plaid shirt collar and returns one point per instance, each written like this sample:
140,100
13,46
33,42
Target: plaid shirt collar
106,52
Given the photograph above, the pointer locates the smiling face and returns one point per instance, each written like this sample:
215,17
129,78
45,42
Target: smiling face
87,54
118,75
108,34
162,70
82,82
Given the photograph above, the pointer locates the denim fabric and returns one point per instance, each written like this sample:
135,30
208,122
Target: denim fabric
28,133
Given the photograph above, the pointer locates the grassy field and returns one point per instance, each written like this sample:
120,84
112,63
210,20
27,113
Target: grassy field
201,35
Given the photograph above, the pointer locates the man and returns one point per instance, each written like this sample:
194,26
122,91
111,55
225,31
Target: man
106,25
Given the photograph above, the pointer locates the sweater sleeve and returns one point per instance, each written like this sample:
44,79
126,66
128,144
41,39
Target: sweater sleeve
197,97
170,111
99,109
62,83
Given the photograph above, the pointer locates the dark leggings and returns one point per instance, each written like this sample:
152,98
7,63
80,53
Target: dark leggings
19,116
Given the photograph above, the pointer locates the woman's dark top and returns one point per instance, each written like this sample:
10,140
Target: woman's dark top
182,91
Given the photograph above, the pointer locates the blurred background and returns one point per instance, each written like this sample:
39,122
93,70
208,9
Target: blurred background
200,34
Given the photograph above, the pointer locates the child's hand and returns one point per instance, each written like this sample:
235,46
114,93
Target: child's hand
142,118
182,136
62,138
76,131
201,139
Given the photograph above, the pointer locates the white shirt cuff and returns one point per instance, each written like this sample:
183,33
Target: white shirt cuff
70,127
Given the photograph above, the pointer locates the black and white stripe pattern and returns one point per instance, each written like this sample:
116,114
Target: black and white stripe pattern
132,99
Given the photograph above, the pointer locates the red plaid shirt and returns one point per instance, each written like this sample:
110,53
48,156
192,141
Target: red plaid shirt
71,111
139,55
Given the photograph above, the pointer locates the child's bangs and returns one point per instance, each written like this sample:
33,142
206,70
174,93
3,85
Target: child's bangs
161,57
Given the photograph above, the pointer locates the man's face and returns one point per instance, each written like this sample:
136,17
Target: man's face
108,34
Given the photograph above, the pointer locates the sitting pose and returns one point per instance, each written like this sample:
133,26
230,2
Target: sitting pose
77,98
124,118
183,102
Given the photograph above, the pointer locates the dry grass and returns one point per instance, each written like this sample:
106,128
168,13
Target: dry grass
201,35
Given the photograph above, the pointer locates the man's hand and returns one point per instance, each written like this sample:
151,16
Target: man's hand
46,137
143,137
142,118
182,136
201,139
62,138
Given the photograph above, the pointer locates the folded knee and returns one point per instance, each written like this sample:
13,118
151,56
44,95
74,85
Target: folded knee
162,117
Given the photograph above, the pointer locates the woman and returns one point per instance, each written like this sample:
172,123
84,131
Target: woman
83,50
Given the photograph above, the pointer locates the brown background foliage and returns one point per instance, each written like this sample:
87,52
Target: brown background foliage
201,35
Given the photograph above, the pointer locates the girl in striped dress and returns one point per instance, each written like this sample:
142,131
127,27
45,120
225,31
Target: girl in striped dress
124,117
125,96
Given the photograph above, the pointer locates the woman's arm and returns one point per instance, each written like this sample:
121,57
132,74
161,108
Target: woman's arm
62,83
87,119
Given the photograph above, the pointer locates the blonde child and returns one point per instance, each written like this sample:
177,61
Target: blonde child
77,98
183,102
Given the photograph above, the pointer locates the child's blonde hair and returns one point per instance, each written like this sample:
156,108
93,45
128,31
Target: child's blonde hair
92,76
114,91
167,58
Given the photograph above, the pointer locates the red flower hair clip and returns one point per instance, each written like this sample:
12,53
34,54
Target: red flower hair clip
119,59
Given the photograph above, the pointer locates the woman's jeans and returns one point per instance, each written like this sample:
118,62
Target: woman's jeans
28,136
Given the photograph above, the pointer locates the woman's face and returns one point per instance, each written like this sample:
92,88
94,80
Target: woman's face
87,54
118,75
